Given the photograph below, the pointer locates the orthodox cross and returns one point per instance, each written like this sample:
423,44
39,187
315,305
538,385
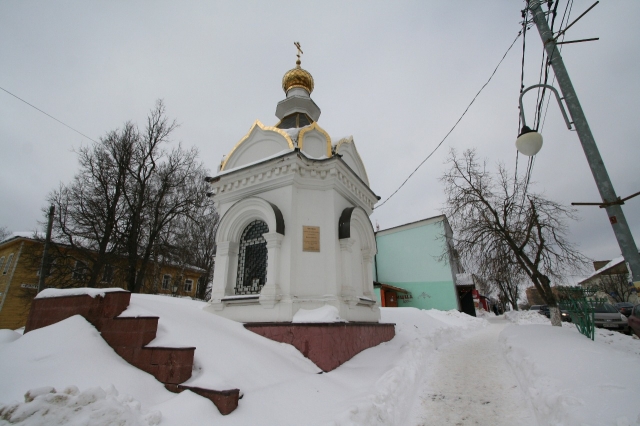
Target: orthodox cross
297,44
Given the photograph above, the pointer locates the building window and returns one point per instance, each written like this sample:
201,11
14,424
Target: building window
80,271
50,268
6,267
188,286
1,262
166,281
252,259
107,274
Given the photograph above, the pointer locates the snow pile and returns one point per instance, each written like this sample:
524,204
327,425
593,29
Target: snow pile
481,313
418,334
8,336
71,352
526,317
567,377
570,379
280,386
94,406
617,341
326,313
93,292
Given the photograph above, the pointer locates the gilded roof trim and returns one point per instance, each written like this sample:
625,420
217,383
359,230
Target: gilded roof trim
314,126
263,128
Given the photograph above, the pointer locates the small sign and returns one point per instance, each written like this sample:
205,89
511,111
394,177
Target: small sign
311,238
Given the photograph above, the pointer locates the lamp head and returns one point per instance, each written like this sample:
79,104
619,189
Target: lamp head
529,142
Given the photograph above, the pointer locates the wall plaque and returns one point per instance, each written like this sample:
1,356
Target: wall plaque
311,238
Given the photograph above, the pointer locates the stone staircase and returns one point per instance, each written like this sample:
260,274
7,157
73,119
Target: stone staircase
128,336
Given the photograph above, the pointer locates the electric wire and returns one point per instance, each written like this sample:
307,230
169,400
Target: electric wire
455,125
48,115
541,93
524,44
570,8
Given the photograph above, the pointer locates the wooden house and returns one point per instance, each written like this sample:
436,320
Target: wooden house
20,260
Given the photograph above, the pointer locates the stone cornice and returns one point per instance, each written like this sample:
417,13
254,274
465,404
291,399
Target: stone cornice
297,170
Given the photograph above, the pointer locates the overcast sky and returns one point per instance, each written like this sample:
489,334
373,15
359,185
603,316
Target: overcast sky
395,75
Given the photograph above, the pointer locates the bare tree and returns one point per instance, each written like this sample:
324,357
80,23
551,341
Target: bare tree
495,214
506,275
618,286
190,240
483,285
127,201
4,233
89,209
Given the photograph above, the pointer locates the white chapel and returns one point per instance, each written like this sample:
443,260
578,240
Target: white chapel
294,231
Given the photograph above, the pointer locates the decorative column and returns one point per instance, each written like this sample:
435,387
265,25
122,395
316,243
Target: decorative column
223,276
271,292
367,260
347,292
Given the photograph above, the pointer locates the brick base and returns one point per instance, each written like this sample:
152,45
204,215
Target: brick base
128,336
328,345
226,401
96,310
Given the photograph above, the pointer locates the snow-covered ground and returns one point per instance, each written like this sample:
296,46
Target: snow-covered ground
66,374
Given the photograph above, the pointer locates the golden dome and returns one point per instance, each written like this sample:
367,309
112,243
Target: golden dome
297,77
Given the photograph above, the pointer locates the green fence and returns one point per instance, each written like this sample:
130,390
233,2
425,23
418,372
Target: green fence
580,302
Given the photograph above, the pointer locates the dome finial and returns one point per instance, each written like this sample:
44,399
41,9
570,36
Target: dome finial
297,77
297,45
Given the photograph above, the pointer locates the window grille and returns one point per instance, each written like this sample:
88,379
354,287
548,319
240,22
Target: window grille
49,268
188,286
107,274
252,259
80,271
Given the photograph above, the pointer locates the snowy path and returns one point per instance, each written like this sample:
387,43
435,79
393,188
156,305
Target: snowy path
472,384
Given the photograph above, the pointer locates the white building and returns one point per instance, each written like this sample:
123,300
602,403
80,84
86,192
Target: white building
294,230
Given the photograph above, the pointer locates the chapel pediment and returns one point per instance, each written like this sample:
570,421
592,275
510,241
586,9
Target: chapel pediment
260,143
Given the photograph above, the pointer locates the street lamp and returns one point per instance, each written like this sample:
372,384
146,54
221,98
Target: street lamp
610,201
529,141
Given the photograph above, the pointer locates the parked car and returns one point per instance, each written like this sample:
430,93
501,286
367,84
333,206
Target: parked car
535,308
607,316
544,310
625,308
634,320
564,314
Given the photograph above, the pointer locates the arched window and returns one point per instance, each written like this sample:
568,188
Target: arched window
252,259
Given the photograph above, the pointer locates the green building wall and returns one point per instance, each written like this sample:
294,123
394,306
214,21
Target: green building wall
409,257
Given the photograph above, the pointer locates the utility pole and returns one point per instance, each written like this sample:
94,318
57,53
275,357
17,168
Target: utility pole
610,200
45,253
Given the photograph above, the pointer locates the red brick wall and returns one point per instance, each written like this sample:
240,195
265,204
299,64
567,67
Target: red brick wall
328,345
96,310
128,336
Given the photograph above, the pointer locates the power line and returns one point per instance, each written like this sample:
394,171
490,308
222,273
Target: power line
48,115
567,14
541,94
455,125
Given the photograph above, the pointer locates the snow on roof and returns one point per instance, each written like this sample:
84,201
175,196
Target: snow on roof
464,279
21,234
609,265
294,131
227,171
93,292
